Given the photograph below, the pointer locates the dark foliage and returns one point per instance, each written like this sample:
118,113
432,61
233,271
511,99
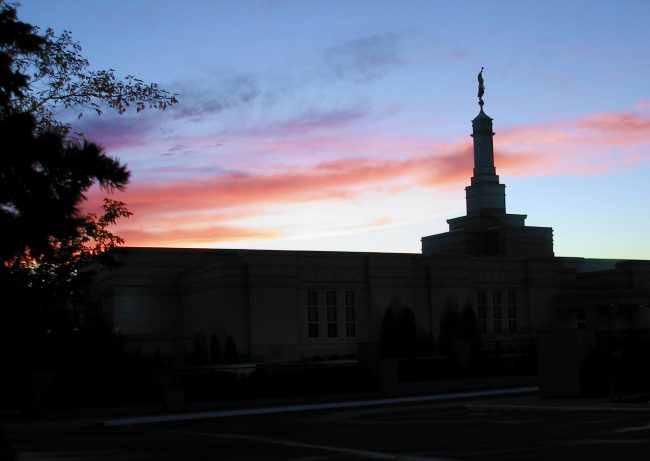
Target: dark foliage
215,351
450,326
44,179
399,336
468,329
74,369
44,174
47,241
200,352
15,38
275,381
45,72
231,354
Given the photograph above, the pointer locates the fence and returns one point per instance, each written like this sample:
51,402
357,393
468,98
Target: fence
489,358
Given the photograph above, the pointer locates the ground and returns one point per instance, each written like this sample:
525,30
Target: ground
461,430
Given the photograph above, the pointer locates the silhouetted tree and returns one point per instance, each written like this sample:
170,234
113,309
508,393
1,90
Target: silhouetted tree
231,354
60,77
389,334
399,331
449,327
407,333
200,350
44,179
45,174
215,351
17,38
468,329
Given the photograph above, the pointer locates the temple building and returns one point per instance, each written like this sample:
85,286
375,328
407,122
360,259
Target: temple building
285,306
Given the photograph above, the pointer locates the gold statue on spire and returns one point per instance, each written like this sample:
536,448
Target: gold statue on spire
481,88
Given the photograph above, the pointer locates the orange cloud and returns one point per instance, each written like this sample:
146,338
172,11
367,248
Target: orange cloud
204,210
175,237
590,145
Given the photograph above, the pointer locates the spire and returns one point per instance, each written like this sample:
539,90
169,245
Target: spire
485,194
487,229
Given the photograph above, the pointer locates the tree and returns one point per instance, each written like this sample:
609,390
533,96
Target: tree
399,331
231,354
44,180
449,327
459,337
59,77
215,351
389,338
468,329
17,38
45,173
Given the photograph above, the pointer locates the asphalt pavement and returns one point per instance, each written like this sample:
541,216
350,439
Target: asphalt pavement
435,427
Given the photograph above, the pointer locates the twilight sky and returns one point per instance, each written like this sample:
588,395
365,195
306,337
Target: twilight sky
344,125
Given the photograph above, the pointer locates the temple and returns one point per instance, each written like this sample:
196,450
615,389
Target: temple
297,306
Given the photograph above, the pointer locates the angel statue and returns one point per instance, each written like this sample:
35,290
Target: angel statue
481,88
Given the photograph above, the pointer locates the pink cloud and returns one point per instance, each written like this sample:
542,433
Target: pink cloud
642,104
174,237
593,144
196,211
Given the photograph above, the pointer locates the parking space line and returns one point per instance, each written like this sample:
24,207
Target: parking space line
289,443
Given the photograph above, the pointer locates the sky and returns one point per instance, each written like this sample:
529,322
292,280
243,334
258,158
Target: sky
344,125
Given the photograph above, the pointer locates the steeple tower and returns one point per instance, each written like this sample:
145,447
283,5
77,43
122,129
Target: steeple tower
487,229
485,194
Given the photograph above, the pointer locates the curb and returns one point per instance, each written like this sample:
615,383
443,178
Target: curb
311,407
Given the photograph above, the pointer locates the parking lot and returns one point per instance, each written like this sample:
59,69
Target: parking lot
470,429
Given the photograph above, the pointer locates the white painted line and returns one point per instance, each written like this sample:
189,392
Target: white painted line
289,443
313,406
514,407
631,429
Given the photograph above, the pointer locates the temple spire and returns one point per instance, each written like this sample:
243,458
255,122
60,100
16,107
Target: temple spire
487,229
485,194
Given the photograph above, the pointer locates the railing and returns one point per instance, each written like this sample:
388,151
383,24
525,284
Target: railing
512,347
237,369
490,358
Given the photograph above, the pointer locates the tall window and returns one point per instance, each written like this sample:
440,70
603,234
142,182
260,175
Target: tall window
497,314
332,318
312,314
481,302
512,312
350,315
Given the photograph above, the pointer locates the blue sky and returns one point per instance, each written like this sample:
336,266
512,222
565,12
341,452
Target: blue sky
345,125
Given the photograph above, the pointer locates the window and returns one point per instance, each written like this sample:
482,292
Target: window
312,314
512,312
331,314
496,311
481,302
350,315
332,317
312,298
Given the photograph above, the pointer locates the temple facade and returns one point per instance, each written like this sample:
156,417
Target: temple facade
287,306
